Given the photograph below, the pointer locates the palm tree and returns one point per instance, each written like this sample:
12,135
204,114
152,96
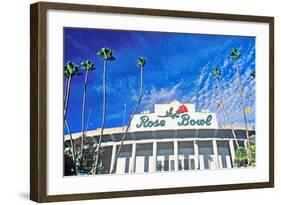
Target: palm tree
253,77
70,69
107,55
140,63
235,55
217,75
87,66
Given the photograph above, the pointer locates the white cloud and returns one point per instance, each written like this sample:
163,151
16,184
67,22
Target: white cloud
161,95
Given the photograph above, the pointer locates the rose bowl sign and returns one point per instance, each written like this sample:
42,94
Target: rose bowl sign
174,116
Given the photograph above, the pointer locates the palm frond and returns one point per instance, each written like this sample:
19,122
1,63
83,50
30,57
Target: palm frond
217,72
141,61
107,54
70,69
88,65
234,54
253,74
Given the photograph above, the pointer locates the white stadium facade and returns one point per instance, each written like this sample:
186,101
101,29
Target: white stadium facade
173,138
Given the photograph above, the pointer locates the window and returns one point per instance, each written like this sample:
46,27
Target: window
192,164
172,165
180,165
159,166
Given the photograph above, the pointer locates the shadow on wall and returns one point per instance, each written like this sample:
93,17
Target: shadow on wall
24,195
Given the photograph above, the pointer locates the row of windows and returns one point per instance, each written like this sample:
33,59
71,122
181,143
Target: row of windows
165,159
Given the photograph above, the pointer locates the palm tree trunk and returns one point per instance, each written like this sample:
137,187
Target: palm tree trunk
65,91
226,114
83,112
244,112
103,117
73,150
128,126
66,98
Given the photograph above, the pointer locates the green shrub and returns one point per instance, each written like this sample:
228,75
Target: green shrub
241,159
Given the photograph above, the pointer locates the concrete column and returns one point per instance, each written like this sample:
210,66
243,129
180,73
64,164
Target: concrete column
113,156
196,153
154,156
133,159
176,155
216,157
232,152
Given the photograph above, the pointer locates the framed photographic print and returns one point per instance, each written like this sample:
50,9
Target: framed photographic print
134,102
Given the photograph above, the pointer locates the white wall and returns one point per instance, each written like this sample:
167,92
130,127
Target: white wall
14,109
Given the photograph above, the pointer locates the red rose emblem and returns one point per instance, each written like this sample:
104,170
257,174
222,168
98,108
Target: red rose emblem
182,109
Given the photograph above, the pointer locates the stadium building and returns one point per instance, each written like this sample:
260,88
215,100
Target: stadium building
173,138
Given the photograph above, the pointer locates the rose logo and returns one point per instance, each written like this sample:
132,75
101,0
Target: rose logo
173,115
182,109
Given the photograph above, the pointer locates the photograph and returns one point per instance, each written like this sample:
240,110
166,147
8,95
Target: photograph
139,102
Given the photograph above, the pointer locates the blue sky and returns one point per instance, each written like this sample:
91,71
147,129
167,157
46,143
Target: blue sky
179,67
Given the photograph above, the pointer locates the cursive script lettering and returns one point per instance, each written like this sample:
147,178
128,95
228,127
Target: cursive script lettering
186,120
146,122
